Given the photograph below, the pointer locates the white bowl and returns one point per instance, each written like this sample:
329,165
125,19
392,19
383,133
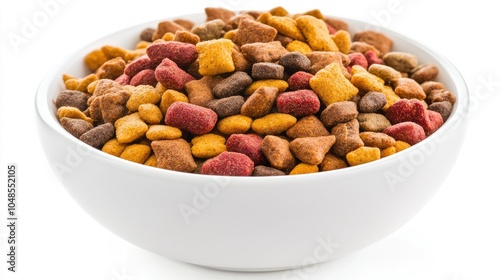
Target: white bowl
251,223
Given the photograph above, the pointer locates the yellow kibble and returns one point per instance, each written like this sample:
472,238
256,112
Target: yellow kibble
208,145
343,41
304,168
273,124
112,52
391,97
137,153
113,147
163,132
234,124
169,97
142,45
95,59
316,33
79,84
298,46
363,155
401,145
130,128
315,13
286,26
72,113
150,113
230,34
278,11
151,161
160,88
131,55
142,94
367,82
263,17
387,152
169,36
215,57
280,84
331,86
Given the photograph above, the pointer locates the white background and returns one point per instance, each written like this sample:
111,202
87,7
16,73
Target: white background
456,236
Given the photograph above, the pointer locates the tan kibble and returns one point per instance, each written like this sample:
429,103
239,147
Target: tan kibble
277,152
150,113
312,150
316,33
169,97
174,155
163,132
72,113
114,147
331,162
138,153
130,128
304,168
142,94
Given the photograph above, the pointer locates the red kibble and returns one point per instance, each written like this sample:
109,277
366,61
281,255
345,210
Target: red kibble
413,110
298,103
171,76
373,58
145,77
299,80
181,53
141,63
358,58
228,164
408,132
191,118
247,144
123,80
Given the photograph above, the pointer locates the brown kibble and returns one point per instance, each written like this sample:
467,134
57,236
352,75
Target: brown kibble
219,13
401,61
347,138
262,170
429,86
166,27
210,30
373,122
312,150
260,102
339,112
408,88
98,136
372,101
226,107
337,23
277,152
442,107
363,48
319,60
377,39
200,92
111,69
174,155
377,139
75,127
72,98
112,105
331,162
424,73
251,31
263,52
439,95
309,126
186,37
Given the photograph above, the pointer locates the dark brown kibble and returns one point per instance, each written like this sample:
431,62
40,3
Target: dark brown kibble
295,61
373,122
262,170
339,112
439,95
147,34
228,106
443,107
424,73
76,127
267,70
72,98
232,85
99,135
347,138
372,102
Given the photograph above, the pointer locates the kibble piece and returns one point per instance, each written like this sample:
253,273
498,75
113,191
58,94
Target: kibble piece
377,39
251,31
142,95
342,39
130,128
309,126
304,168
373,122
174,155
169,97
424,73
72,98
150,113
263,52
99,135
294,61
362,47
142,63
401,61
181,53
232,85
365,81
371,102
320,59
387,152
331,86
377,139
95,59
312,150
298,103
113,147
113,105
145,77
274,123
277,152
373,58
147,34
339,112
210,30
408,132
171,76
151,161
166,27
208,145
234,124
228,164
408,88
192,118
186,37
331,162
316,33
387,73
429,86
363,155
234,21
200,91
401,145
439,95
215,57
442,107
72,113
260,102
247,144
111,69
163,132
138,153
299,80
391,97
347,138
267,70
279,84
286,26
241,63
219,13
79,84
262,170
413,110
336,23
358,59
298,46
228,106
75,127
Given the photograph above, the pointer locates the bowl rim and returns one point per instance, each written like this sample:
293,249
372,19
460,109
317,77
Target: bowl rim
457,117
